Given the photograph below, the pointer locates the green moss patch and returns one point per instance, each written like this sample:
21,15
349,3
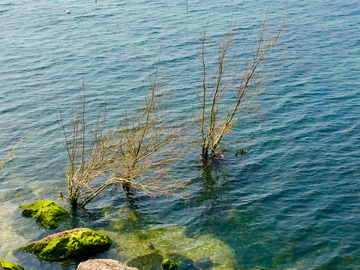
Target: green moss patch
75,243
47,213
10,266
168,264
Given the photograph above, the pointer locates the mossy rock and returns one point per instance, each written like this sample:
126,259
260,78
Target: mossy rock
9,266
76,243
47,213
168,264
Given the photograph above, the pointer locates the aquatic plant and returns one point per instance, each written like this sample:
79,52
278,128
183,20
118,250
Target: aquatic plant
135,154
218,117
11,152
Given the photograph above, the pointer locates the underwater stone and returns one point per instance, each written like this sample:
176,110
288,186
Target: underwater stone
187,265
204,263
47,213
168,264
150,261
9,266
75,243
172,242
103,264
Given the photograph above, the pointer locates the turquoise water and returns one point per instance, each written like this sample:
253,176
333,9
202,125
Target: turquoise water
292,202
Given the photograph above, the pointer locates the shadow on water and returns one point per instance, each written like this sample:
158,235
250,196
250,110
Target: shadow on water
213,190
127,214
219,210
253,218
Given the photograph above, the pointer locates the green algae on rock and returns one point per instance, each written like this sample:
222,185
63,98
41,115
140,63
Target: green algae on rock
75,243
168,264
9,266
173,240
47,213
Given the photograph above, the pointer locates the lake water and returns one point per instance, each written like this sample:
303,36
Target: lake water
292,202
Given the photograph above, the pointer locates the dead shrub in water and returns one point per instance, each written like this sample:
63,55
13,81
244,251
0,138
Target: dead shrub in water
219,113
136,154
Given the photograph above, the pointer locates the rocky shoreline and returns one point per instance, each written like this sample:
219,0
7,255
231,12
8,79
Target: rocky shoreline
150,249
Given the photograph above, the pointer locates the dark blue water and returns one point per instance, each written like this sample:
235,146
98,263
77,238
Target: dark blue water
292,202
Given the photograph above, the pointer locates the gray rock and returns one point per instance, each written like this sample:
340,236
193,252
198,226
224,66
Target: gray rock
103,264
151,246
187,265
150,261
204,263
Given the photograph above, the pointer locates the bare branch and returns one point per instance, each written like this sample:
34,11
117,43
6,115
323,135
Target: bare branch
136,154
247,84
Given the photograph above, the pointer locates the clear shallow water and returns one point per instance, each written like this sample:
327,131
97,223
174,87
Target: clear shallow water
292,202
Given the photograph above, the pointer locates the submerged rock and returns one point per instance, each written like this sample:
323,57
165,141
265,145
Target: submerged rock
172,242
150,261
204,263
103,264
168,264
47,213
9,266
75,243
10,230
187,265
151,246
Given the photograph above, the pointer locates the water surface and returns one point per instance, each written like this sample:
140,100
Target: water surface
292,202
